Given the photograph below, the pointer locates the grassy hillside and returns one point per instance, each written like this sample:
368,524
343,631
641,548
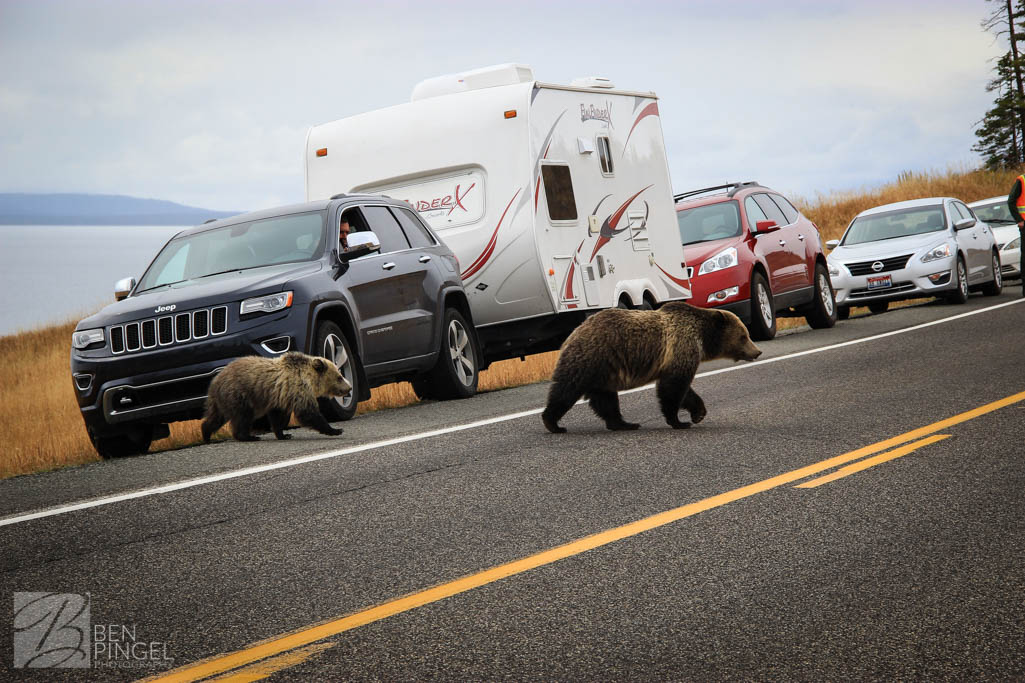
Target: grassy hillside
42,428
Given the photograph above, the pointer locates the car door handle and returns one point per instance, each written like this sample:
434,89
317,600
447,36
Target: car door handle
782,243
425,258
388,266
800,237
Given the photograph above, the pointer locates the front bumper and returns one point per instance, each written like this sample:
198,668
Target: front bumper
169,384
910,282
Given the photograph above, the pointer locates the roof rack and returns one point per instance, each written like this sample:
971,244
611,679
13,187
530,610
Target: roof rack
732,187
209,220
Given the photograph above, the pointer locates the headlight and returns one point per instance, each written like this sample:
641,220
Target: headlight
937,252
727,258
84,338
834,270
266,304
1013,244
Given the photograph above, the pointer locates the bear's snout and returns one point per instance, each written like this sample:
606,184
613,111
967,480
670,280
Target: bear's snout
341,386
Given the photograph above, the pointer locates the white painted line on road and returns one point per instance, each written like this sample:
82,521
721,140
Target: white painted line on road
245,472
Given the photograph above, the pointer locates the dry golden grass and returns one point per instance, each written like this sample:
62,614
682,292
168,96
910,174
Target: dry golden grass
42,429
834,212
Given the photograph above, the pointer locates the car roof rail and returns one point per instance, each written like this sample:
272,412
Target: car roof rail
340,195
209,220
732,189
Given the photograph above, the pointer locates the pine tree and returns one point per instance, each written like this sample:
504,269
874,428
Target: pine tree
1001,132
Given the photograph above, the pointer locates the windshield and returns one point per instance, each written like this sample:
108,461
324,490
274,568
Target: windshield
283,239
997,212
893,224
709,222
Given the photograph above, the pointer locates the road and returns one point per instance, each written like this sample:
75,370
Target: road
851,508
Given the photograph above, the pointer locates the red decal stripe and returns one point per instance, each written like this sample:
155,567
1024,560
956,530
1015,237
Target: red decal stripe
682,283
479,262
569,280
650,110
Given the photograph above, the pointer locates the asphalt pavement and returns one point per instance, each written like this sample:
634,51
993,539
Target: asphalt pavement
910,568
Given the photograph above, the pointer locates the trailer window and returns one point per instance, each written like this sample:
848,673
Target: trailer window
562,204
605,155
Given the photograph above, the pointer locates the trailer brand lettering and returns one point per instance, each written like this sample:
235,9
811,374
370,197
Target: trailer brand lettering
593,113
165,309
450,201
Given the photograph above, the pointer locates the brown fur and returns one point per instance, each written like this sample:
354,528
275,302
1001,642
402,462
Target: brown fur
619,349
253,387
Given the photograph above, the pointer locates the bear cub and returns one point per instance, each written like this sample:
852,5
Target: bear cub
252,387
619,349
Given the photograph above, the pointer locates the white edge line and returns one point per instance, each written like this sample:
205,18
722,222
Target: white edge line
200,481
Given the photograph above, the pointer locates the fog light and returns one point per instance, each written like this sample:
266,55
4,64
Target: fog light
723,294
83,381
277,345
940,278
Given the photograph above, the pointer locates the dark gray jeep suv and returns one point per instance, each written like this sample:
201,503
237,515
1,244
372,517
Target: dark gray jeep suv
388,306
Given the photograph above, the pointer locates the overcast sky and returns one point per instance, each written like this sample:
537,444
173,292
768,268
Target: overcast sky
208,103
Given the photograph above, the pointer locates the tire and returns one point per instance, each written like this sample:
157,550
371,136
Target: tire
624,303
823,307
879,306
123,445
331,343
458,368
960,294
763,313
996,285
843,312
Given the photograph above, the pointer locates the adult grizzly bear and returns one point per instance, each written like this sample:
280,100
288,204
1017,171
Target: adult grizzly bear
251,387
620,349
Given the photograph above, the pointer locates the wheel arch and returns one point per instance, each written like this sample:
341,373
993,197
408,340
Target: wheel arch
338,313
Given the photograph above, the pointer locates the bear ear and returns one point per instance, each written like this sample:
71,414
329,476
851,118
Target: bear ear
319,366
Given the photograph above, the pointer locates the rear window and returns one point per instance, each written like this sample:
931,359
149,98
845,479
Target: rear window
709,222
996,212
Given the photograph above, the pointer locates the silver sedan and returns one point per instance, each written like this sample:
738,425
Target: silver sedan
913,249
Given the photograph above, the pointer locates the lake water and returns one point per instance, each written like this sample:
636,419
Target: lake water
53,273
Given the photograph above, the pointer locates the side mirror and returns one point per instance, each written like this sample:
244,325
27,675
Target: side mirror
360,244
123,287
832,244
766,226
964,224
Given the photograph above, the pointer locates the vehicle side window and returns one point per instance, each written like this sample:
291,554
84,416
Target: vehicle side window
754,213
965,211
383,224
786,207
416,233
562,203
605,155
772,211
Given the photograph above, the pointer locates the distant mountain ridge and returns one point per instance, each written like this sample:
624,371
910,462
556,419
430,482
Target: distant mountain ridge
98,209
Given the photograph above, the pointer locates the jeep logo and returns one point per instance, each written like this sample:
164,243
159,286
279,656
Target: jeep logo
165,309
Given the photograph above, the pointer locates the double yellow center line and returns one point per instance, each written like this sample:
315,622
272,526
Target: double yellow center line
300,639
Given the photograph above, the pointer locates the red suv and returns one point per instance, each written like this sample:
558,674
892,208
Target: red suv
751,252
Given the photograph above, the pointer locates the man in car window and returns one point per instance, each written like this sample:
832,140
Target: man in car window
1016,203
343,233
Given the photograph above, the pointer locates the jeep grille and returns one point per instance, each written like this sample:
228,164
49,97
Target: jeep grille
167,330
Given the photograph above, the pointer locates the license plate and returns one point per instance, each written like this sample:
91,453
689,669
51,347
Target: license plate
879,282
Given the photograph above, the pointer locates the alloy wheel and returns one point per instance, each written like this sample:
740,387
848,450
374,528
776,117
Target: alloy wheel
461,352
334,349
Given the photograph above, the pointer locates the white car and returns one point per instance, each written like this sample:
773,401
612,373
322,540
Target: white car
1005,231
908,250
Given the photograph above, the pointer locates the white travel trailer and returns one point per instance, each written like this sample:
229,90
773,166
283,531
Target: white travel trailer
556,199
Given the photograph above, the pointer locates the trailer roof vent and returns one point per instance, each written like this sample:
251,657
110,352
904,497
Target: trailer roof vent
487,77
592,82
